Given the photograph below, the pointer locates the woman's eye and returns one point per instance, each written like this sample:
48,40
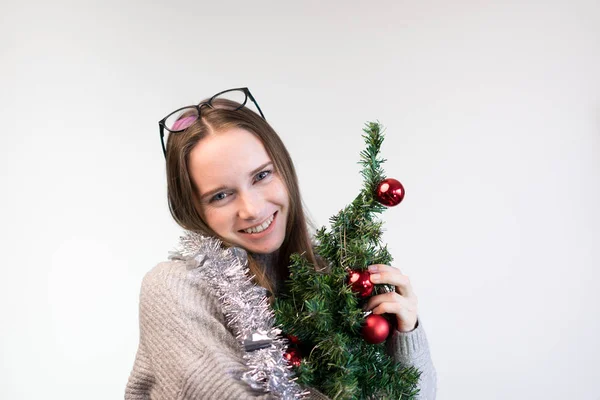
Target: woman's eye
262,175
218,196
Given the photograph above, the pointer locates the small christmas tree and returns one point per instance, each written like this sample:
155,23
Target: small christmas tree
332,346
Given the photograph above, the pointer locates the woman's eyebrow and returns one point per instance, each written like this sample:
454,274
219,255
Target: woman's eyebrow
220,188
257,170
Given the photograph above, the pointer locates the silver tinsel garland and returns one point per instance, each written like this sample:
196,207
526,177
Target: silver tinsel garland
246,309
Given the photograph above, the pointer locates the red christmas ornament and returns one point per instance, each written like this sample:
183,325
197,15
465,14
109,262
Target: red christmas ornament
360,282
293,356
293,339
390,192
375,329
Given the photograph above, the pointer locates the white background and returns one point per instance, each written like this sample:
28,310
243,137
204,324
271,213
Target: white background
492,119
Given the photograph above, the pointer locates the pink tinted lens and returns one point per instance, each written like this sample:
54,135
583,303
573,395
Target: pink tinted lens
183,123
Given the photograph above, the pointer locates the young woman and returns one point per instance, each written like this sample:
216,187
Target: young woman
232,186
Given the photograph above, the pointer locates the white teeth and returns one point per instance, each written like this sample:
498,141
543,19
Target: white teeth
261,227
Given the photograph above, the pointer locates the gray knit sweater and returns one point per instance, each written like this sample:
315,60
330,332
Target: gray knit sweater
187,352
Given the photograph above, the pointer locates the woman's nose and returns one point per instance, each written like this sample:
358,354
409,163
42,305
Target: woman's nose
250,206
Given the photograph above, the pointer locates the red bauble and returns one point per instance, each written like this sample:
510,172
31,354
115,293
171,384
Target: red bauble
376,329
360,282
293,356
390,192
293,339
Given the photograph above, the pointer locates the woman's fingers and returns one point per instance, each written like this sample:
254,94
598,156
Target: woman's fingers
402,303
381,273
404,309
391,297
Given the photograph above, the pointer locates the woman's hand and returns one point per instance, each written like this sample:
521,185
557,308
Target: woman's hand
402,302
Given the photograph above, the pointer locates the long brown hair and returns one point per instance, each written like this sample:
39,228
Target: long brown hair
183,195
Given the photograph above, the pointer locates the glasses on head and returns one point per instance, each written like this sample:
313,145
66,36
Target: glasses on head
182,118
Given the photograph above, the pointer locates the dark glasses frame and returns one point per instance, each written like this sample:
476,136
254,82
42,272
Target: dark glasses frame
162,126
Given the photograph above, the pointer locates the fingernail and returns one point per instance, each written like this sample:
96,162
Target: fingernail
374,278
372,268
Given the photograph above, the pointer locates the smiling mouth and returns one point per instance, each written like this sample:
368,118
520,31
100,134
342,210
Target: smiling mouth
259,228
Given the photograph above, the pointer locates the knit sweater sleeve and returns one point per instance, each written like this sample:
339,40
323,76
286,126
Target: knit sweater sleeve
185,350
412,349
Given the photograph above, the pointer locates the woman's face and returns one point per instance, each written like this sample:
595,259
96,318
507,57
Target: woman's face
242,198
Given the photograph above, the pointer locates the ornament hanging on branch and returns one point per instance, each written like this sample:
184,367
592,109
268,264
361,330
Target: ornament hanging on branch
293,356
389,192
360,282
375,329
293,339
